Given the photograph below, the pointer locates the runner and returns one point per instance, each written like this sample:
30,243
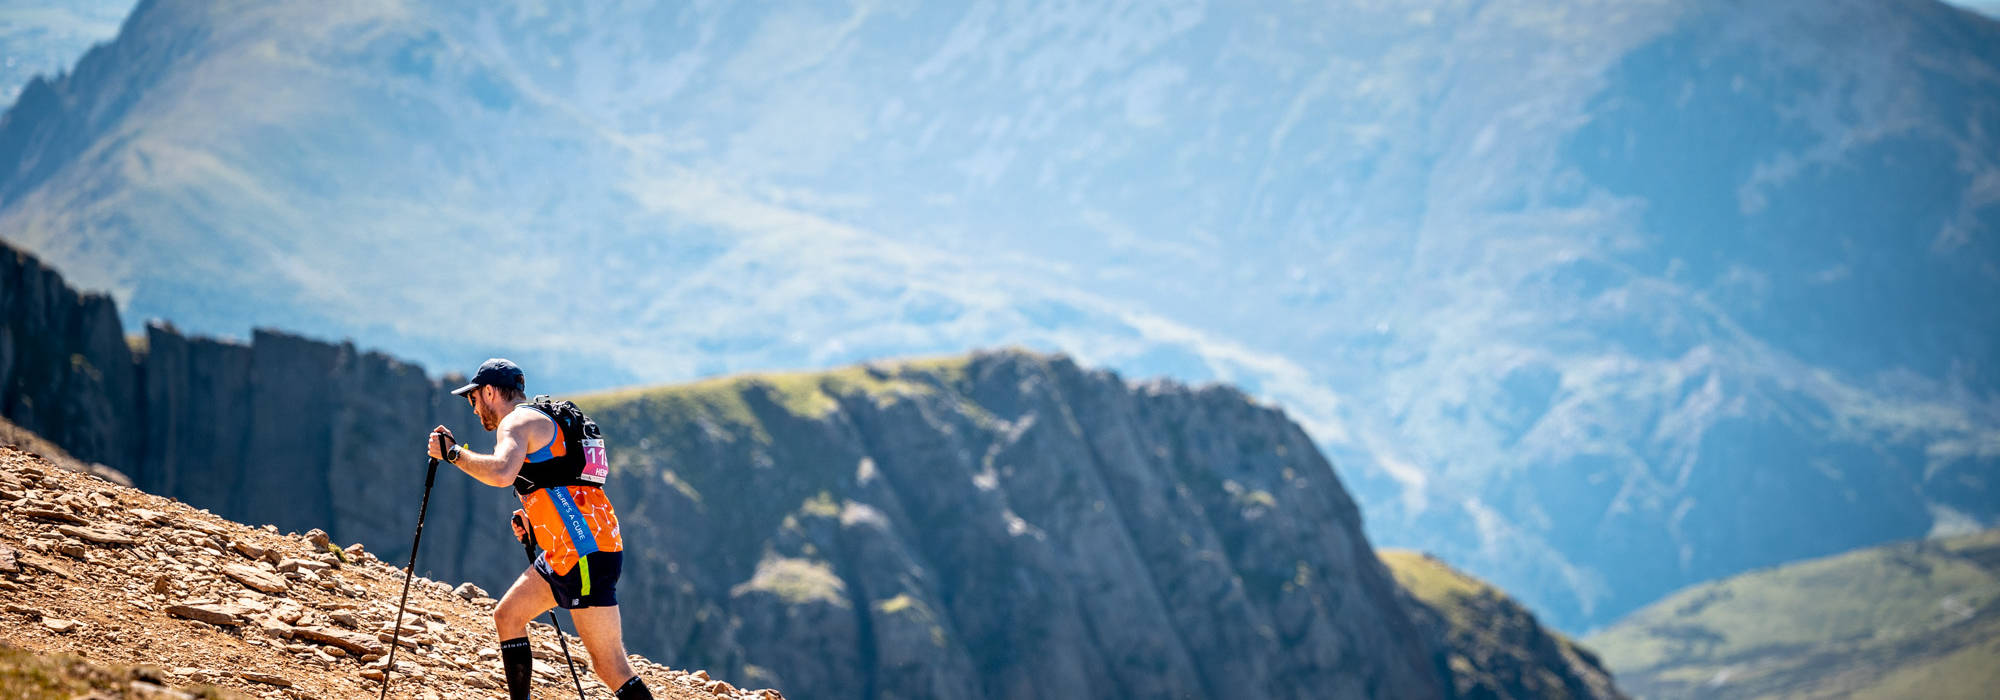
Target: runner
553,457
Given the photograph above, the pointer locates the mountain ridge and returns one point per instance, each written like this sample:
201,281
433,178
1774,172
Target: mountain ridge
993,524
1912,619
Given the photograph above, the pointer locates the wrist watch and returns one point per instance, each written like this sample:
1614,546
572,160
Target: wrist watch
451,455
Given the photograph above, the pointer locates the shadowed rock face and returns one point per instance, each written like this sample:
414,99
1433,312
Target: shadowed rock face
283,430
1494,647
1000,525
1010,525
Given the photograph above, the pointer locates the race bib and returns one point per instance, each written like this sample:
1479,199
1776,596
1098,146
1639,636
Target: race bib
596,466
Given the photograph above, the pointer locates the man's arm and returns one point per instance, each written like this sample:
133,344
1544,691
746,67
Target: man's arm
510,447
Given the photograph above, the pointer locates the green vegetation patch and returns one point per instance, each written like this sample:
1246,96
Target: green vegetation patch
1431,580
806,394
796,581
1907,620
1491,638
719,400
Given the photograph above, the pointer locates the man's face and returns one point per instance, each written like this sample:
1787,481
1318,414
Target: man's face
480,398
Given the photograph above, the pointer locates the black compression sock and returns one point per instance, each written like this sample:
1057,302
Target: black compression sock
518,662
634,689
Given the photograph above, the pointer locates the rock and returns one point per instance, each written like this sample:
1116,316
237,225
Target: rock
319,540
290,614
149,673
59,625
290,565
162,585
9,561
46,513
45,564
212,614
407,641
265,678
246,549
273,627
352,642
99,536
373,674
255,578
22,610
468,591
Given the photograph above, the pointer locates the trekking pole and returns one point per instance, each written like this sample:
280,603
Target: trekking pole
395,638
528,543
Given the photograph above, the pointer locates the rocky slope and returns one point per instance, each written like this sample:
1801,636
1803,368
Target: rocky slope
1494,646
996,525
179,597
1911,620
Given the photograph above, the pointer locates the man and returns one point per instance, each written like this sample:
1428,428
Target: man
549,453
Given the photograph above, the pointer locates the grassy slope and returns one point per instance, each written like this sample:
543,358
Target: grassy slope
1916,619
1487,631
741,413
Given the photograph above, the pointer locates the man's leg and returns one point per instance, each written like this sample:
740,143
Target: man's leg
526,599
599,628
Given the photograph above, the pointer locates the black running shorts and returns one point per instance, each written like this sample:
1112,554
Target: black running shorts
592,583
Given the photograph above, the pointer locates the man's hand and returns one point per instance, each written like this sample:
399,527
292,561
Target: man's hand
521,526
440,440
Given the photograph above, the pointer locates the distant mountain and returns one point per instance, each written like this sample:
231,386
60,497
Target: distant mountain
1912,620
1582,295
46,37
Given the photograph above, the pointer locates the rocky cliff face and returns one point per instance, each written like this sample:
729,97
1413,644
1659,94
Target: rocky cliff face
1006,525
283,430
1495,647
1001,525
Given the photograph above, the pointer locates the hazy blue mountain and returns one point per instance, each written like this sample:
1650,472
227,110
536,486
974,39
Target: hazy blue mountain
45,37
1592,299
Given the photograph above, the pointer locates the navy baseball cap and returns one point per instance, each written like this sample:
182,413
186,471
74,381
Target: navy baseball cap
495,372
